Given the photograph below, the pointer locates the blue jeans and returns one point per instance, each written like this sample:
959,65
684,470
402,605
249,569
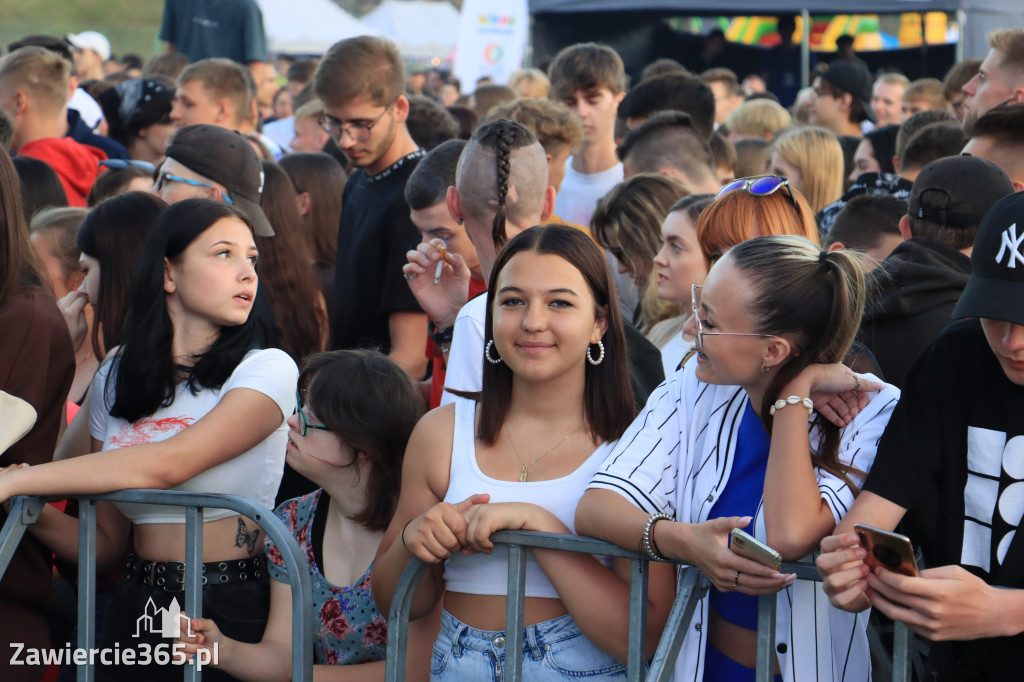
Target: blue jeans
552,650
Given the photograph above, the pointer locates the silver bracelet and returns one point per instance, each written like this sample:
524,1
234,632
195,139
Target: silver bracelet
646,543
791,400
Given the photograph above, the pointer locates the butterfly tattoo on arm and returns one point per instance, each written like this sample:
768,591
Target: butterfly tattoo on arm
246,539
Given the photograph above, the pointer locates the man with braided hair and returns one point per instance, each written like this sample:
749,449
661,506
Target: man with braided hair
361,83
501,188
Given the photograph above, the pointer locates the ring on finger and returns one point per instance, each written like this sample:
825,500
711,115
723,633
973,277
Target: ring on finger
857,387
409,277
736,580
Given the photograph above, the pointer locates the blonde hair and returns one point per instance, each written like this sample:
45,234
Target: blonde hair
223,79
313,109
631,215
530,83
1009,42
758,118
44,74
816,153
931,90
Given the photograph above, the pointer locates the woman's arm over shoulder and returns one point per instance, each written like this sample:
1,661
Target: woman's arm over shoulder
858,445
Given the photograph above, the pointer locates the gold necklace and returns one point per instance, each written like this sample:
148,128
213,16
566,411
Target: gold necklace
522,474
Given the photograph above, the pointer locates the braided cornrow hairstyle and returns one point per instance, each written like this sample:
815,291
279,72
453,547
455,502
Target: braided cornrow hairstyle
504,137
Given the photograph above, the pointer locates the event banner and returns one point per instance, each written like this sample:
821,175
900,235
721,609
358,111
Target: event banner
493,35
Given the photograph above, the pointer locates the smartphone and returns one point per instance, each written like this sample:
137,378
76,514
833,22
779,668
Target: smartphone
889,550
747,546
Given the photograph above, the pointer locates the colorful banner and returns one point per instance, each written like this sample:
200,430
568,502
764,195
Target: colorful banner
493,35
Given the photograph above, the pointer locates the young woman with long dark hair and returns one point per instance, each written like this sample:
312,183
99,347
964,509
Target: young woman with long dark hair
191,400
555,394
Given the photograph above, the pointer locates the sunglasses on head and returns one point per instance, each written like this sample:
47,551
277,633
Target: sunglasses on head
761,187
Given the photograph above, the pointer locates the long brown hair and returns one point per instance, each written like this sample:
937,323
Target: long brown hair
19,263
816,298
115,233
608,395
285,272
323,177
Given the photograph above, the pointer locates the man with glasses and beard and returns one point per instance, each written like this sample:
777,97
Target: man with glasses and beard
361,81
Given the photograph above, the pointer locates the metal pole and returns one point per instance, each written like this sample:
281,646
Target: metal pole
805,50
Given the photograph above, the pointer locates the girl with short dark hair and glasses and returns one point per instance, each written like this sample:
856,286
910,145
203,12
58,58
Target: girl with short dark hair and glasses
354,412
193,399
764,429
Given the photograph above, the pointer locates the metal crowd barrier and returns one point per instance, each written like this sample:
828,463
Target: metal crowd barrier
24,511
693,587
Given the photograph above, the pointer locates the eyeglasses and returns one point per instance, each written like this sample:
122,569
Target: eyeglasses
760,187
359,132
695,290
121,164
304,425
164,178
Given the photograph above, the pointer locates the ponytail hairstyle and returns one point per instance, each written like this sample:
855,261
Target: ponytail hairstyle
504,137
815,298
608,402
144,376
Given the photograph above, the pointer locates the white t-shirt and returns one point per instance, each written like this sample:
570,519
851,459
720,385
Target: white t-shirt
673,352
255,474
465,370
281,131
580,192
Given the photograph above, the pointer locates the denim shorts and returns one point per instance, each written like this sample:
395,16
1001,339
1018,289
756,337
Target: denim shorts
552,650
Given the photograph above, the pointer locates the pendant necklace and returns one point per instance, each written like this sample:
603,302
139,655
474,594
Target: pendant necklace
522,474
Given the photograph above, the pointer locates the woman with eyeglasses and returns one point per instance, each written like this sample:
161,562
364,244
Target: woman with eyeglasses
733,441
355,410
193,399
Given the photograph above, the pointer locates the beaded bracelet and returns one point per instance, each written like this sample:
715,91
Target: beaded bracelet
647,541
791,400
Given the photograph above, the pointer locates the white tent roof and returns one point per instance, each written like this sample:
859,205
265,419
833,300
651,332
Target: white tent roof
307,26
422,29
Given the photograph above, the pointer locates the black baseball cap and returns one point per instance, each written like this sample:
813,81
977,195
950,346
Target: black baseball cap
135,104
995,288
971,184
853,78
228,159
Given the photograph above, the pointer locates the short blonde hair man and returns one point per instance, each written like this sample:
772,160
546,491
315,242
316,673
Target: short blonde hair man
309,135
758,118
924,94
530,83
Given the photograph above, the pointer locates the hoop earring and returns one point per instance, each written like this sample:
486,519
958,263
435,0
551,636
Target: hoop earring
600,358
765,369
487,353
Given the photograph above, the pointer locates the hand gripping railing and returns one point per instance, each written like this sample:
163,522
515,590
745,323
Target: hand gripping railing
692,589
24,511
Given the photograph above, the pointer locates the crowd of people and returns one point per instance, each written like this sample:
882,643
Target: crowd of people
402,318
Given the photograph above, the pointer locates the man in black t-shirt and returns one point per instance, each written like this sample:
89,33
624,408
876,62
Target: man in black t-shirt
361,81
951,466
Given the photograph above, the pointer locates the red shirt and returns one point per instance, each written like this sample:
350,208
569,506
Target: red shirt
476,287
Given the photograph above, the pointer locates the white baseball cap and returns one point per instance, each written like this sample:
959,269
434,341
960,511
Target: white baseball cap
90,40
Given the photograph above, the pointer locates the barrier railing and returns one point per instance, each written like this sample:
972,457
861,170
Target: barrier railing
24,511
692,588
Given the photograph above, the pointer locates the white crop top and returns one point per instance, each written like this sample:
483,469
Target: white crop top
255,474
488,574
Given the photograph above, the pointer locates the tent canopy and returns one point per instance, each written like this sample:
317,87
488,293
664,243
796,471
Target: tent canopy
307,26
421,29
979,16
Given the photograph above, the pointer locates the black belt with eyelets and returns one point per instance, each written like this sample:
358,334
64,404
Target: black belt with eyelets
170,575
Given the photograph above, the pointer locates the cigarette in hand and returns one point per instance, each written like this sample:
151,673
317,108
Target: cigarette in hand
440,267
